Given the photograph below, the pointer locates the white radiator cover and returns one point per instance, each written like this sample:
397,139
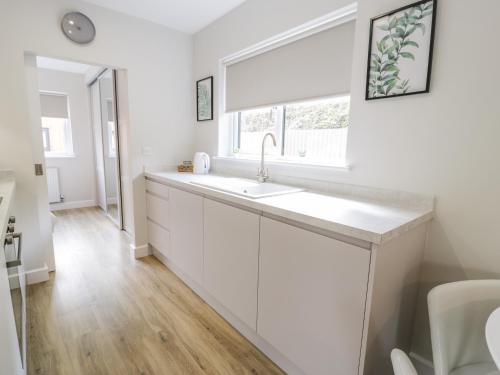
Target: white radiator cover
53,185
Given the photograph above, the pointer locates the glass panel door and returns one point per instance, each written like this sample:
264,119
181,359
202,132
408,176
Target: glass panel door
110,146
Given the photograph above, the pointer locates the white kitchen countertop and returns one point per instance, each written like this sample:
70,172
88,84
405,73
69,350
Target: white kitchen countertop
364,219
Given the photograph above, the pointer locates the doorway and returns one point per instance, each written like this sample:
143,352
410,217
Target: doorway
79,132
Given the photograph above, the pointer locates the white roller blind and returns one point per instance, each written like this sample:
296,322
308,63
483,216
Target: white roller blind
315,66
53,105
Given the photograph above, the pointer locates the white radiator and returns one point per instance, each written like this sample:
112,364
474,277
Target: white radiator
53,185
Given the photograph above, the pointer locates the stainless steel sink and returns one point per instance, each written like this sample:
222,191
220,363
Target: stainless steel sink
246,188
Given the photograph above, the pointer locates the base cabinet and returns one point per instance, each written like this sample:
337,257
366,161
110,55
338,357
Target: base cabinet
313,304
231,258
312,292
186,232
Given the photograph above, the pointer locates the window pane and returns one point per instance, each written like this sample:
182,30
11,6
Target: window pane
56,128
317,131
46,139
254,124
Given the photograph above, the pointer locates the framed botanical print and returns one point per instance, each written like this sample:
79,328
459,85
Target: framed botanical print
205,99
400,51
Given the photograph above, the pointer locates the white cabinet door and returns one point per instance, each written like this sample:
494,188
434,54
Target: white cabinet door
186,232
312,292
231,256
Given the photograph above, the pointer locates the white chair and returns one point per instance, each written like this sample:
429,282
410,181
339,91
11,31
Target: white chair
458,313
401,363
493,335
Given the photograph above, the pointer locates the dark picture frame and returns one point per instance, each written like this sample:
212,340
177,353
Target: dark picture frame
383,78
205,99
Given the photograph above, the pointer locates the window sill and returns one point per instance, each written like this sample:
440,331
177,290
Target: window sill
60,156
342,167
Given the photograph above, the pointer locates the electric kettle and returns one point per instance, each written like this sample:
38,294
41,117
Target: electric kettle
201,163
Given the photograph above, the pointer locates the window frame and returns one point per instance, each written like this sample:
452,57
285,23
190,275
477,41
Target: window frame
68,137
68,130
235,119
279,137
225,155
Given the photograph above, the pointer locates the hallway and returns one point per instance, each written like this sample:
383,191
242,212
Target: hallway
104,312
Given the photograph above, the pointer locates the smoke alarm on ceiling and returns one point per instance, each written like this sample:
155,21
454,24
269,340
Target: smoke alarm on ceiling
78,27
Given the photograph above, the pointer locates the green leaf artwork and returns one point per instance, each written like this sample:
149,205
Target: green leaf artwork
396,41
204,99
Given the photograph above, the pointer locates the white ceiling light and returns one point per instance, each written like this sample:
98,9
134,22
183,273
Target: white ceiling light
189,16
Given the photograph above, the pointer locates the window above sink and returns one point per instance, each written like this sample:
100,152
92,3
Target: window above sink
292,86
307,132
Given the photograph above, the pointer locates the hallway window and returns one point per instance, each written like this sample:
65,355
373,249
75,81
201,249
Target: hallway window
56,125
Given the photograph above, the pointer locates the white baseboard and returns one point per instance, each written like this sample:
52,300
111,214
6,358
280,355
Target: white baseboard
38,275
139,251
72,205
423,365
278,358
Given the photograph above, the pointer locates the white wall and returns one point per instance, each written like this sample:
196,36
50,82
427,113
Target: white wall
250,23
76,175
446,143
158,63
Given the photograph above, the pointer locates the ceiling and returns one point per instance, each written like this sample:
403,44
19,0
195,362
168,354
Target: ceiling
189,16
61,65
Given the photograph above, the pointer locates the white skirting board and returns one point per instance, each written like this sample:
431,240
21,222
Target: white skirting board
139,251
71,205
278,358
38,275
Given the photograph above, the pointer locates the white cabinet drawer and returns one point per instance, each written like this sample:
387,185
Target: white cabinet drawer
159,238
157,188
157,210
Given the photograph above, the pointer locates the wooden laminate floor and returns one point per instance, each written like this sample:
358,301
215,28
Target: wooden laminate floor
103,312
